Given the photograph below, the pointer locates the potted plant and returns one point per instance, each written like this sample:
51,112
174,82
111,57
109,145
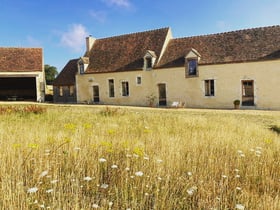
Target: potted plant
236,104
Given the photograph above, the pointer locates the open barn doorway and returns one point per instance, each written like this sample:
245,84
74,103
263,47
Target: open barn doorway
18,89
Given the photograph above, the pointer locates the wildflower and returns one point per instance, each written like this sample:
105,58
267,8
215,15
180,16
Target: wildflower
33,145
44,173
114,166
127,169
237,176
139,173
54,181
224,176
146,194
238,188
111,131
32,190
191,190
16,145
189,173
49,190
159,161
95,206
87,178
110,204
70,126
104,186
240,207
268,141
102,160
258,153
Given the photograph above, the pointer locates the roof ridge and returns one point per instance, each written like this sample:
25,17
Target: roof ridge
229,32
21,48
134,33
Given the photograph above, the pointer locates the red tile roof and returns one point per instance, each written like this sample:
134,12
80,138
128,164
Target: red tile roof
21,59
67,75
125,52
237,46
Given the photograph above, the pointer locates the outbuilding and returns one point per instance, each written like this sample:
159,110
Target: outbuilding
21,74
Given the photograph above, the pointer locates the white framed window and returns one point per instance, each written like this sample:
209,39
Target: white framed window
192,68
111,88
125,88
138,80
209,86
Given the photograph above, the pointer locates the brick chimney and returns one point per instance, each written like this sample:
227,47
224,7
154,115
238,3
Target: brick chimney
89,42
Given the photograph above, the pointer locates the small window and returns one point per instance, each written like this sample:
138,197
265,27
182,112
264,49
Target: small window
125,89
111,88
138,80
209,87
71,90
81,68
191,68
148,62
60,91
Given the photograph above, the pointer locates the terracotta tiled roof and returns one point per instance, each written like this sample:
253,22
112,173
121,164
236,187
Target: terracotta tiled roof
237,46
67,75
125,52
21,59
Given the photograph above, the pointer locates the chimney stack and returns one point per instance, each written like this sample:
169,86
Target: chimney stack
89,42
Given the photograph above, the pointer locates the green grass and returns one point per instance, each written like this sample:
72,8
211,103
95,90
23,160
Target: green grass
74,157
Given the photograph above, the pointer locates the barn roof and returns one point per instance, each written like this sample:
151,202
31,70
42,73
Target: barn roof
21,59
125,52
237,46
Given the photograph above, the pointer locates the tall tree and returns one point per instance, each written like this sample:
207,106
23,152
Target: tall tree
50,73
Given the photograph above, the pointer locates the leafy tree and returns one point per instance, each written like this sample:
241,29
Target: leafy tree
50,73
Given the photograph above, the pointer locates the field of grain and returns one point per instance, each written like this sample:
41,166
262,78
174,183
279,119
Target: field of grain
94,157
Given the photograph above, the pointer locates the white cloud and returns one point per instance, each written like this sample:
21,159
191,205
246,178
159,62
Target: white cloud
100,16
119,3
74,38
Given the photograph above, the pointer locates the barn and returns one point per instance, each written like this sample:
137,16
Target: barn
21,74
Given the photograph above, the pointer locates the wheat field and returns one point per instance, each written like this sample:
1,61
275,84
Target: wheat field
97,157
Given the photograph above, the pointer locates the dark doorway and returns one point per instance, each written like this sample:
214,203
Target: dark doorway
162,94
18,88
247,93
96,94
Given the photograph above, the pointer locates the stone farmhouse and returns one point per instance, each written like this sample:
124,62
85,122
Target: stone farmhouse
22,74
152,68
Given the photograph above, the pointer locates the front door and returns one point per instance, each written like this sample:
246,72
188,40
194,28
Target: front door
247,93
162,94
96,94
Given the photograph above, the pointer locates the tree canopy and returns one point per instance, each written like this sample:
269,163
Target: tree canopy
50,73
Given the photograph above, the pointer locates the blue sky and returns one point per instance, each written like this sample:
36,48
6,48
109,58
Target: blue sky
60,26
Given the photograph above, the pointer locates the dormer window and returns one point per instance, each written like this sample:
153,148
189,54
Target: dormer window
83,64
149,60
81,68
192,67
149,63
192,59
